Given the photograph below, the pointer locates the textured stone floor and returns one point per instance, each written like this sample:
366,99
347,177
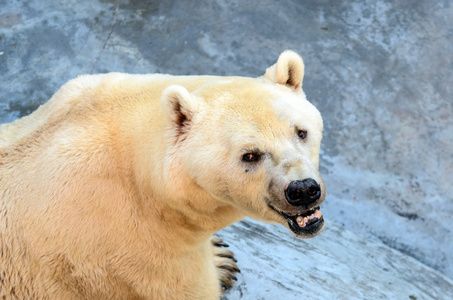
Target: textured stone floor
380,72
338,264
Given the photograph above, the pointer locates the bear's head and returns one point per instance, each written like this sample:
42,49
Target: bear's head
251,144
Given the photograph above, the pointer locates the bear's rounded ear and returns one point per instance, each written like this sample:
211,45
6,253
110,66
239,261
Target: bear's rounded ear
289,70
179,106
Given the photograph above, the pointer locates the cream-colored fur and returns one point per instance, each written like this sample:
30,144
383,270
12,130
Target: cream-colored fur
114,187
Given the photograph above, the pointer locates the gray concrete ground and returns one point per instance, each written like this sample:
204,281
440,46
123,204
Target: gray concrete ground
381,73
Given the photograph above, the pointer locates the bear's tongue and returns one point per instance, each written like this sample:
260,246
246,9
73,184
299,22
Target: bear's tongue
309,217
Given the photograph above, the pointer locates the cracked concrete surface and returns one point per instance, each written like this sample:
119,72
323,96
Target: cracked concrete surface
379,71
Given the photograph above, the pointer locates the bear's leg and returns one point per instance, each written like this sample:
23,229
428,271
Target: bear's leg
225,263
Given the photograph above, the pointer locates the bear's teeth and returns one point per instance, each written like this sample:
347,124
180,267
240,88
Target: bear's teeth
304,221
300,221
318,213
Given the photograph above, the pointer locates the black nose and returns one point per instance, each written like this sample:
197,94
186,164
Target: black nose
302,192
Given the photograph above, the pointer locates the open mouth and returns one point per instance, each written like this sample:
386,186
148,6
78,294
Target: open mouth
306,223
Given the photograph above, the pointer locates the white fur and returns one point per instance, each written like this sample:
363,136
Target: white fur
105,197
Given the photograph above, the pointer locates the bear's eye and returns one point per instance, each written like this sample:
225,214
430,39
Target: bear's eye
302,134
251,157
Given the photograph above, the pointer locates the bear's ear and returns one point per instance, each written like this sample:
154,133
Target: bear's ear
289,70
179,106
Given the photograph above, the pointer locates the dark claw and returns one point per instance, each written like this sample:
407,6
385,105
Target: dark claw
227,256
223,285
222,244
231,269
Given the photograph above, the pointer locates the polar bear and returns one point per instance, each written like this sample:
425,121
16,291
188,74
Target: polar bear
114,188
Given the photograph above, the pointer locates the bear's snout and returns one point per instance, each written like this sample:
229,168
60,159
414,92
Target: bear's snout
303,192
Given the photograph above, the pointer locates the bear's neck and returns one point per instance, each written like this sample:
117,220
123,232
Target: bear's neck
186,224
